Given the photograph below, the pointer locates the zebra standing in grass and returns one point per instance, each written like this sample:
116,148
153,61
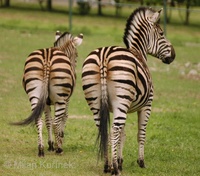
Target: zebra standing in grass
49,79
117,80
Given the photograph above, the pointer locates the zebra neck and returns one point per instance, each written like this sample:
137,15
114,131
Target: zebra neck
142,60
139,45
139,54
70,52
136,32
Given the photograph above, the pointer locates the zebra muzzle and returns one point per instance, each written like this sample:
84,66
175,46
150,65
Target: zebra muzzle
170,59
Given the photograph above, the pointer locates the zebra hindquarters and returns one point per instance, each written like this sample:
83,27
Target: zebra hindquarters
125,92
95,90
62,82
91,85
35,84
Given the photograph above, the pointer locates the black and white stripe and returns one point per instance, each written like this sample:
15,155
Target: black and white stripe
49,79
117,80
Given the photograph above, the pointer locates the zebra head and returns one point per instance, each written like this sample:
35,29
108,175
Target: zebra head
158,45
144,34
67,43
66,38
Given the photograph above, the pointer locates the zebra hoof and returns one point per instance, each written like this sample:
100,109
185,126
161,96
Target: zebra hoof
41,153
115,171
40,150
141,163
51,148
120,162
59,151
107,168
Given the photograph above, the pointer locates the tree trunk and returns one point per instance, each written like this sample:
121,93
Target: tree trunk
7,3
187,12
99,7
118,8
49,5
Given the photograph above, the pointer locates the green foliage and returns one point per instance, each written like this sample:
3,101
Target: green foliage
172,146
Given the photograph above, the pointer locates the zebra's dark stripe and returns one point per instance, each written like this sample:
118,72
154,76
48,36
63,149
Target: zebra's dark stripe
118,79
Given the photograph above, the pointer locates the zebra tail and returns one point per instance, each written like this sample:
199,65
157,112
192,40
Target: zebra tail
37,112
104,123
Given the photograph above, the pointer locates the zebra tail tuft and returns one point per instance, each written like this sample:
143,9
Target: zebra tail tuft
103,128
37,112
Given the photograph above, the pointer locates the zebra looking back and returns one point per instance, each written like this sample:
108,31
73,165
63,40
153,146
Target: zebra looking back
117,79
49,79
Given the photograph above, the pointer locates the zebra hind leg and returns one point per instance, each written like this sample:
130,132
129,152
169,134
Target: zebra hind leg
40,140
59,135
58,126
143,117
120,148
59,150
107,167
115,137
48,121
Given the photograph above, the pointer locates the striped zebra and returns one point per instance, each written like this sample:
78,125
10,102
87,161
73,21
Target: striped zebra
117,80
49,79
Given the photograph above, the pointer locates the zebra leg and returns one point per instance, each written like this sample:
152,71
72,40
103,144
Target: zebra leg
115,136
107,167
58,126
48,121
64,119
120,148
40,140
143,117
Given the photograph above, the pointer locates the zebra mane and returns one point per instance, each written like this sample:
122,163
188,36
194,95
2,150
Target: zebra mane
63,39
135,18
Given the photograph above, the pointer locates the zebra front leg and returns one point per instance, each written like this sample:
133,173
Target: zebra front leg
48,121
40,140
143,117
120,148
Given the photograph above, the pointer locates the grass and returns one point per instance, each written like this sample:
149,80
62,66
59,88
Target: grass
172,146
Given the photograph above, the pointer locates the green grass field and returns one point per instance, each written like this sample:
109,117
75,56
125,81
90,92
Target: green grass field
173,135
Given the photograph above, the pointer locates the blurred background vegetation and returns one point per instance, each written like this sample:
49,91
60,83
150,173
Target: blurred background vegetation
86,7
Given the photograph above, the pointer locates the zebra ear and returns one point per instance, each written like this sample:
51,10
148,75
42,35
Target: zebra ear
78,39
156,16
58,34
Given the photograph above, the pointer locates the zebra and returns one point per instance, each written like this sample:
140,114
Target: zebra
49,79
117,79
